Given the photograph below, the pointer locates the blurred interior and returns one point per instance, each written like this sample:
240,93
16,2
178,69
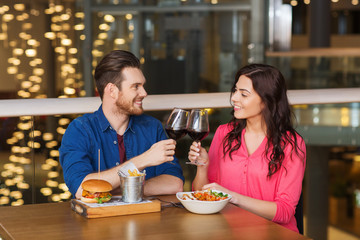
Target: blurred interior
49,49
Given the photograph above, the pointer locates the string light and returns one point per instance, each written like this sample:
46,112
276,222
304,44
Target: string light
293,3
19,7
24,50
109,18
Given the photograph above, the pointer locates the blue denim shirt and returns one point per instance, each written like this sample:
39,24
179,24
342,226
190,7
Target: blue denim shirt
87,134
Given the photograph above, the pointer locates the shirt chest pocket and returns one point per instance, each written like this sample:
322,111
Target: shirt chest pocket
136,145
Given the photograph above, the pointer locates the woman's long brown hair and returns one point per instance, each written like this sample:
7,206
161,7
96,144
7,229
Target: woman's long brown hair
270,85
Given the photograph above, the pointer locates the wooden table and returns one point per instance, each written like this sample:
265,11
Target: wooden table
58,221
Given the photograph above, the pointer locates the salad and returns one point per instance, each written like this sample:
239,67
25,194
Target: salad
208,195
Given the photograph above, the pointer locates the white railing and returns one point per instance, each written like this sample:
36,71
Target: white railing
59,106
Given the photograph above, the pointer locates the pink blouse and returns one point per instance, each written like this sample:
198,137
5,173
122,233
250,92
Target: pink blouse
247,175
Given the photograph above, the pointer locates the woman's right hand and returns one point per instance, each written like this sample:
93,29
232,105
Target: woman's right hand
198,154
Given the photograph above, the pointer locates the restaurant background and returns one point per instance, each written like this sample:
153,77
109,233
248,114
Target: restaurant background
49,49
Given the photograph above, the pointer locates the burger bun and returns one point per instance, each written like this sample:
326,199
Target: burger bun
96,185
94,200
89,200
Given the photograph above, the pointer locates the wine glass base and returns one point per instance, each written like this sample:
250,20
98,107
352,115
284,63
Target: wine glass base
195,163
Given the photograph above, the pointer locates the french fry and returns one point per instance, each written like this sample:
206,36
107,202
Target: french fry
134,173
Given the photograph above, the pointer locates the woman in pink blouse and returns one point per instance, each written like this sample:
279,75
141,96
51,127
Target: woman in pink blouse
257,157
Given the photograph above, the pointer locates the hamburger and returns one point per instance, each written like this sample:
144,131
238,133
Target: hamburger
96,191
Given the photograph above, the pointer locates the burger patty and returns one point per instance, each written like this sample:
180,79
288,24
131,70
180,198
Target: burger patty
88,194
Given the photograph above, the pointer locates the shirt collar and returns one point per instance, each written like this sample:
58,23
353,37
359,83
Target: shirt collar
130,126
104,123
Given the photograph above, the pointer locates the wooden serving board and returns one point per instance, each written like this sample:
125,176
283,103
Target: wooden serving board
114,207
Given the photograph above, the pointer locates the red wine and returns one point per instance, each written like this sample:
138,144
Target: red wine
176,134
197,136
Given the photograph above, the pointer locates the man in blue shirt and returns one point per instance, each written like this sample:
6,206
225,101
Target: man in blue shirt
119,131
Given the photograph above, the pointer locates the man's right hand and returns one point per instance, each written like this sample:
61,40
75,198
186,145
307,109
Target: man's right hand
160,152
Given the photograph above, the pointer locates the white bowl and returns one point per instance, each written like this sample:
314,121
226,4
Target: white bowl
202,207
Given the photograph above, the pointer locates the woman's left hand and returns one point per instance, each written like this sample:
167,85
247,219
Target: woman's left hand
215,186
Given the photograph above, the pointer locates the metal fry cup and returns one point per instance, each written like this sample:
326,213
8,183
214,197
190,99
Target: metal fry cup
132,188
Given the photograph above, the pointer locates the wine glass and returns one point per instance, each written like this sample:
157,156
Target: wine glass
175,126
198,127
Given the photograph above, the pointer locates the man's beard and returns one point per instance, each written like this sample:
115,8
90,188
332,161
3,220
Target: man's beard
128,108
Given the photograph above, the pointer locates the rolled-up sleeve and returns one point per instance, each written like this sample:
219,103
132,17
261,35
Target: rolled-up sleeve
74,155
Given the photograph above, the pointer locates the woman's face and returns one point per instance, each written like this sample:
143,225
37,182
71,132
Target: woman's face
247,103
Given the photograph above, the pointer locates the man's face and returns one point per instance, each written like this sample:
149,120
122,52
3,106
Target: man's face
132,92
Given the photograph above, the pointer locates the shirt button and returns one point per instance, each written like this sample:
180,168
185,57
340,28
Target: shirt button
115,142
117,164
111,128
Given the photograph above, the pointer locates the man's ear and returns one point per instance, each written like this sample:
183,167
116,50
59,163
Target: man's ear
111,90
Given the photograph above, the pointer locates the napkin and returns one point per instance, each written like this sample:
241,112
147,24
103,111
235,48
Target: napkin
124,170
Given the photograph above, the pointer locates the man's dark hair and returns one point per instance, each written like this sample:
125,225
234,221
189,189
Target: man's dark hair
109,69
